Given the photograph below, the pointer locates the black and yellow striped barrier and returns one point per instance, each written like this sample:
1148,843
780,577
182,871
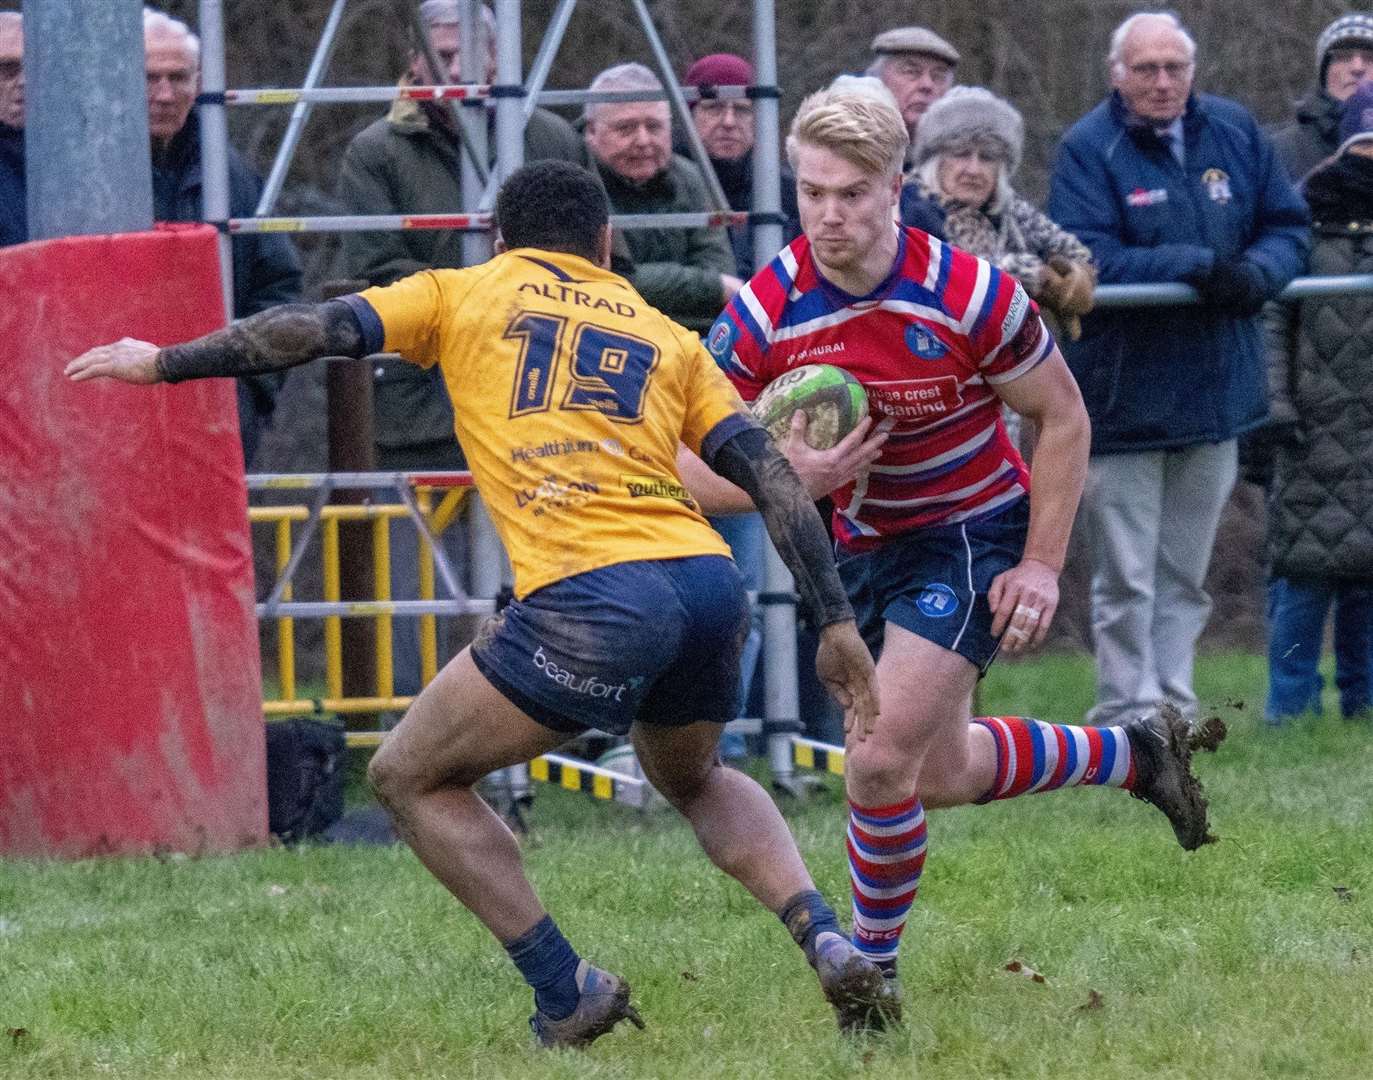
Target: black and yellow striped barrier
809,754
600,783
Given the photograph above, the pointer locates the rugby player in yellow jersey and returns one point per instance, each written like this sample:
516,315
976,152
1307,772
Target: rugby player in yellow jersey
571,397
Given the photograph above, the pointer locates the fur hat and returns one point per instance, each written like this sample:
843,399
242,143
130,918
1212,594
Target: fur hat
1352,29
969,112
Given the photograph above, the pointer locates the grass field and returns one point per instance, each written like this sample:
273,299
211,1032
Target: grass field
1250,958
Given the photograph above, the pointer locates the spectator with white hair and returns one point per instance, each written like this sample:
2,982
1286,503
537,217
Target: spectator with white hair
265,268
13,208
688,273
1164,185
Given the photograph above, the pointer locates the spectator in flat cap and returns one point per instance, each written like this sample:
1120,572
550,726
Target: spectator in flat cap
917,66
1344,59
968,149
1320,384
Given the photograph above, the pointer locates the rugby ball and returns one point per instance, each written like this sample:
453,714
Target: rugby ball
832,399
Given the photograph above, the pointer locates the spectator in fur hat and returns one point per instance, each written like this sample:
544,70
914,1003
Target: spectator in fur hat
1344,59
966,152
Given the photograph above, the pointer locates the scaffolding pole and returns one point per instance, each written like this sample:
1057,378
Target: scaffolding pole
214,139
86,141
319,66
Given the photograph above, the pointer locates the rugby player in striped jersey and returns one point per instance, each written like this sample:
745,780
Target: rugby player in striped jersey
949,546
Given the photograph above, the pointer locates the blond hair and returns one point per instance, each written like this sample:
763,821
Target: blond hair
858,126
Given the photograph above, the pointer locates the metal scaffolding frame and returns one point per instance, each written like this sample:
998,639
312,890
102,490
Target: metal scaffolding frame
513,98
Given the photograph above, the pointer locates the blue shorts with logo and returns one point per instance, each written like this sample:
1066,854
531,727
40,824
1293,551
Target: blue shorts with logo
934,581
655,641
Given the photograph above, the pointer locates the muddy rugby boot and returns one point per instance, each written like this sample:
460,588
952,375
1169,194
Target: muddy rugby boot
1162,742
863,998
603,1004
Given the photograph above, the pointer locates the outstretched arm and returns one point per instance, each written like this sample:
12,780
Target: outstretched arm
844,665
272,340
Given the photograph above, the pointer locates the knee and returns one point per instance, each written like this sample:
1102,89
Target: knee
879,776
682,787
385,778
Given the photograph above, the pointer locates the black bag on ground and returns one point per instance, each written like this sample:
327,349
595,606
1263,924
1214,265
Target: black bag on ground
305,773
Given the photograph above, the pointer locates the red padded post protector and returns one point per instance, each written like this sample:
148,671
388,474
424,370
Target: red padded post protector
130,708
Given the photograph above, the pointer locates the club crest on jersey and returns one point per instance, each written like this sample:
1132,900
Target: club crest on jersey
937,601
924,343
720,341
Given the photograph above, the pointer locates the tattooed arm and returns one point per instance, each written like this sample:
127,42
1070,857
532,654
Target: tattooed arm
273,340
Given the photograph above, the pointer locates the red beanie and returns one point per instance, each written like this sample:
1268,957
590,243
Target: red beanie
719,69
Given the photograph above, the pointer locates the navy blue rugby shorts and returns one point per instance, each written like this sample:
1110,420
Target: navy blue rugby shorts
934,581
656,642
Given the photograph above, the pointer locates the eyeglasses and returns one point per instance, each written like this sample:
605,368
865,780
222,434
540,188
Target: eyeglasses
11,69
1174,70
714,107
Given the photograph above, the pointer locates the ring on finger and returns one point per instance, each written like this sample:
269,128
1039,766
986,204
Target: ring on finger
1016,632
1031,613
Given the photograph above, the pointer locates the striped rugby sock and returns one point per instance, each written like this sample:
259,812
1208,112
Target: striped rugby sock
886,848
1034,756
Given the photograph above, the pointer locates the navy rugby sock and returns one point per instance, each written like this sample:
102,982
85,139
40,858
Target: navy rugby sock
807,916
549,964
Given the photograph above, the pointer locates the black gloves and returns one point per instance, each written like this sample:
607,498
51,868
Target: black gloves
1237,287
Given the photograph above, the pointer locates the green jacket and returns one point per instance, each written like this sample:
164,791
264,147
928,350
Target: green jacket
676,270
405,164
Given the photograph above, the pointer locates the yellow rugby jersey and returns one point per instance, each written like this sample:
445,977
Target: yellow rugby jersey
570,394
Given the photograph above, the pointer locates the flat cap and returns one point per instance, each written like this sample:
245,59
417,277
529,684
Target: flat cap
914,39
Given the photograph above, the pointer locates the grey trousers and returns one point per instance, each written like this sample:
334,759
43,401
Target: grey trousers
1151,519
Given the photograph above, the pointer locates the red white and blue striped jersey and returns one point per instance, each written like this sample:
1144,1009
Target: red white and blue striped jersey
928,345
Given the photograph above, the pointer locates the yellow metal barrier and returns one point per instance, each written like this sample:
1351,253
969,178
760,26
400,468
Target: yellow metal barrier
439,518
568,773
